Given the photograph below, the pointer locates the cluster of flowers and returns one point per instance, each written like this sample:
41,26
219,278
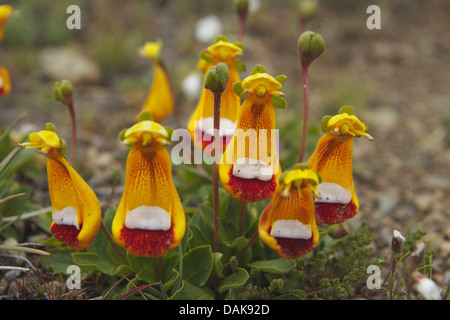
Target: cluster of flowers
150,218
5,84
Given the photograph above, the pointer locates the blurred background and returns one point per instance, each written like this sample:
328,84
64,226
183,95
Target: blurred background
396,78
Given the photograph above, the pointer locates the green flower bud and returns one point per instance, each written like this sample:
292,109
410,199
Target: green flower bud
241,8
63,91
308,9
310,46
216,79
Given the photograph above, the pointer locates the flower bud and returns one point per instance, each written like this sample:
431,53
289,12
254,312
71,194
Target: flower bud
397,240
63,91
426,287
310,46
308,9
241,8
216,79
417,253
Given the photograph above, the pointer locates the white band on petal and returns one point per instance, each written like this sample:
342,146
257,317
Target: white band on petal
246,168
333,193
66,216
148,218
292,229
227,127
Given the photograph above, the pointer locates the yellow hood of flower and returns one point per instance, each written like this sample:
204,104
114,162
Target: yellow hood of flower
145,133
262,84
300,178
224,50
5,13
348,124
151,50
44,140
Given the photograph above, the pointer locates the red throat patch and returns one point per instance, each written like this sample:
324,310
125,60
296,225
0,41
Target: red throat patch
251,190
66,233
332,213
148,243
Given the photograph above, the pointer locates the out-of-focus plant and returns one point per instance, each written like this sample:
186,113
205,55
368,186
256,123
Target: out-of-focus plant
160,101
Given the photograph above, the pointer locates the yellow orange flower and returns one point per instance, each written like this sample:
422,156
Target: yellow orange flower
287,224
249,168
76,212
160,100
5,84
201,124
150,219
332,159
5,13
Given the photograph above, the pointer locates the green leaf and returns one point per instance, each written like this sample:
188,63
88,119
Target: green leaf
279,102
146,268
281,78
277,266
258,69
188,291
324,122
237,87
145,116
94,260
239,65
198,265
234,280
59,259
346,109
218,265
239,45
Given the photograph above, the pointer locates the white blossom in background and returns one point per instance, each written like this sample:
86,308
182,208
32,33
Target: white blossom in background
208,28
191,85
426,287
254,5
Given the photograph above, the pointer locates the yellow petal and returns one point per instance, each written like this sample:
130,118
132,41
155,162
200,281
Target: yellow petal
149,183
296,209
160,102
332,159
44,140
348,124
253,139
257,81
151,49
230,104
223,50
146,132
5,82
68,189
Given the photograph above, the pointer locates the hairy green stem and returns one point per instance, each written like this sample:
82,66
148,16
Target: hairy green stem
217,98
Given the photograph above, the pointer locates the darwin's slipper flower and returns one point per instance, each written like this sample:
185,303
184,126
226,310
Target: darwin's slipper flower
160,100
287,224
5,84
201,122
150,219
249,168
76,212
6,11
332,159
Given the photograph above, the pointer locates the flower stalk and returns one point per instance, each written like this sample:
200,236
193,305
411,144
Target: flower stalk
64,93
310,47
216,81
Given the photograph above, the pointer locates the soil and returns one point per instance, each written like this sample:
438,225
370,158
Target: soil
396,78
